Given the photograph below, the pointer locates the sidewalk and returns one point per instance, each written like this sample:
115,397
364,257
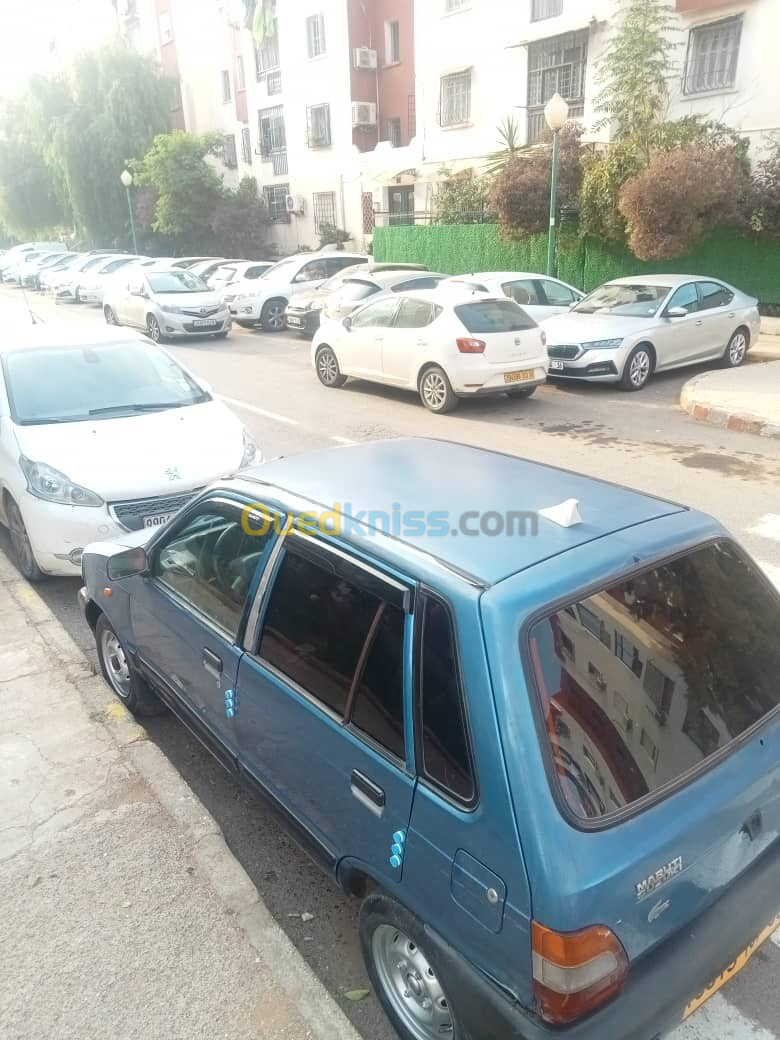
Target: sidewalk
124,913
745,399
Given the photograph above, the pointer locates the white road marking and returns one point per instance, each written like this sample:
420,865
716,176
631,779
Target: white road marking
767,527
717,1018
261,411
343,440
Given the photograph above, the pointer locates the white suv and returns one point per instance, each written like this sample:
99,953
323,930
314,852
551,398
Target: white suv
266,303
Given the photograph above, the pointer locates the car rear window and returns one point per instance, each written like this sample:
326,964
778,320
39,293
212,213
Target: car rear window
642,683
488,316
357,290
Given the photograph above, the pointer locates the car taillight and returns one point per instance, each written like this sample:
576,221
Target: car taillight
543,334
471,346
575,972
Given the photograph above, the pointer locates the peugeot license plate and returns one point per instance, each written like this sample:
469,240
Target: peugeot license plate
519,377
157,521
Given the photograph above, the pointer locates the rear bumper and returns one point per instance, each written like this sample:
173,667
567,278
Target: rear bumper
473,381
661,986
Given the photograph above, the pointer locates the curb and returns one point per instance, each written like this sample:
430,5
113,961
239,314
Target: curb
220,868
740,422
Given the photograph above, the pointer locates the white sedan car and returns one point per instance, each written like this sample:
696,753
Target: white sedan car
99,438
538,295
444,346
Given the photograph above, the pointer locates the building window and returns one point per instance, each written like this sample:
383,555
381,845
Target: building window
541,9
455,98
229,151
272,138
628,654
225,86
556,66
315,35
267,55
324,210
276,200
394,132
713,51
166,27
273,82
246,145
659,688
649,746
240,75
392,43
318,126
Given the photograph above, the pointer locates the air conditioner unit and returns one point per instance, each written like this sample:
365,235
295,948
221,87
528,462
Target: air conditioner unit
363,113
364,58
294,204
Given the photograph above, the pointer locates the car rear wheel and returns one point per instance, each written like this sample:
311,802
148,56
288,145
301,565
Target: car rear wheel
737,349
21,546
137,696
109,315
153,329
435,391
527,391
637,369
274,316
328,370
403,972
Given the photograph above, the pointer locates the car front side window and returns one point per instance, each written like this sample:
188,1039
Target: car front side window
686,298
376,315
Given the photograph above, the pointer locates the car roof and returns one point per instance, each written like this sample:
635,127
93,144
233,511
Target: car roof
417,474
486,276
672,280
387,279
22,336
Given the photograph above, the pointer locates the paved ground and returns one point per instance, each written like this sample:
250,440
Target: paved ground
747,399
644,440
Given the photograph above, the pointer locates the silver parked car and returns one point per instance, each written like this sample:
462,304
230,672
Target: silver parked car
627,329
165,304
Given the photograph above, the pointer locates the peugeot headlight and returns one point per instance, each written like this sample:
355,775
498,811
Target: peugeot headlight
251,452
602,344
169,309
49,484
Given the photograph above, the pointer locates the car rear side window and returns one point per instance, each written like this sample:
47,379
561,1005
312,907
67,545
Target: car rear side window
415,314
641,683
713,294
445,746
339,641
488,316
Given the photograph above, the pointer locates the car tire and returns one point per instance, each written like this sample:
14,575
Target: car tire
402,967
638,368
327,366
108,314
737,349
133,691
153,330
22,552
523,393
435,390
273,317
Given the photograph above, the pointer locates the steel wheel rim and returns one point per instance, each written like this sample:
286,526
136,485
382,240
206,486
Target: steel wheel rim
110,316
327,367
737,348
117,668
410,984
640,368
154,329
434,390
275,316
20,541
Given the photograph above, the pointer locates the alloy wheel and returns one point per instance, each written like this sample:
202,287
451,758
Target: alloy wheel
117,669
273,317
20,542
109,316
434,390
153,328
327,367
410,984
737,348
639,369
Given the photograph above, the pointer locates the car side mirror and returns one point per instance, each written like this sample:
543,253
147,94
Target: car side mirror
126,564
677,312
347,323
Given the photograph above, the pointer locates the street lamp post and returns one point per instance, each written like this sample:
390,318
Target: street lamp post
556,112
127,179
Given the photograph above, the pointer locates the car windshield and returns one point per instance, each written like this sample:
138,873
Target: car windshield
285,269
494,316
631,301
63,384
177,282
643,682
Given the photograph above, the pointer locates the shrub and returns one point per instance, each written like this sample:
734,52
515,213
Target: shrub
330,235
461,200
766,194
679,197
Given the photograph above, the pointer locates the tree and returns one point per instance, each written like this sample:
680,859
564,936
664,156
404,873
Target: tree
521,191
510,147
460,200
634,69
187,190
680,196
239,221
765,217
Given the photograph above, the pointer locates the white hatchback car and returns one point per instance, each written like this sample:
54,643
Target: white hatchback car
443,346
538,295
266,303
101,437
166,303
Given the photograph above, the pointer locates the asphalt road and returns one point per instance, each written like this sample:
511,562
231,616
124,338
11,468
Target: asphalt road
643,440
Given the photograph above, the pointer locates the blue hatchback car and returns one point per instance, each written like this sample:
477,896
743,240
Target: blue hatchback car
529,718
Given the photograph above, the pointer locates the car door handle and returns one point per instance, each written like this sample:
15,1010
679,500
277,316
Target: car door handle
367,792
700,322
212,664
732,314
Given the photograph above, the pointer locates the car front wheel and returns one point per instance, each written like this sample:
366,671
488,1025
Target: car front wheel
328,371
108,314
637,369
153,329
21,546
137,696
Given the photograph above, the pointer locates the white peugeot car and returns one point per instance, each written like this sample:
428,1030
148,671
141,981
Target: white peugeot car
266,303
538,295
444,346
101,437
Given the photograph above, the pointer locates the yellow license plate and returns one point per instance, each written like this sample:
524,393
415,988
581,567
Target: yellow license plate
519,377
733,969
